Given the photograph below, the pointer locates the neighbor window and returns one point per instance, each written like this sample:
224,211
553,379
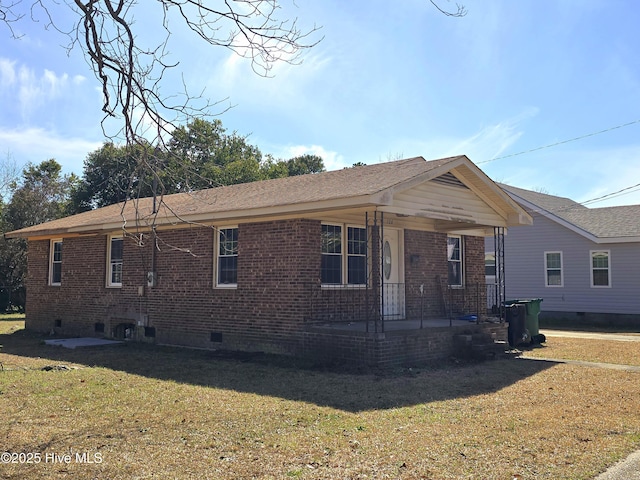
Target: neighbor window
339,267
600,268
454,257
553,269
489,264
114,278
227,257
55,266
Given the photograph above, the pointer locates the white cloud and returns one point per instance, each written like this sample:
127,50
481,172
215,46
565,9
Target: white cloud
31,89
484,145
332,160
35,91
493,140
285,83
7,73
37,144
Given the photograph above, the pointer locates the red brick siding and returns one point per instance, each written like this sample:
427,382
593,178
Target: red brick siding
392,349
82,299
278,264
276,261
425,260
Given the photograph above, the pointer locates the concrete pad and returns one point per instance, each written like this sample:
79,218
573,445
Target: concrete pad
627,469
81,342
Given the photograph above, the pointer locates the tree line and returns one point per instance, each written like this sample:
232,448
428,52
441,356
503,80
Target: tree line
199,155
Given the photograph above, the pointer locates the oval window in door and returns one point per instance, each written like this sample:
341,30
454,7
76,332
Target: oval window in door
386,255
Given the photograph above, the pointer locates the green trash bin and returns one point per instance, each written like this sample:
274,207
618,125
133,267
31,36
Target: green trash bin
532,324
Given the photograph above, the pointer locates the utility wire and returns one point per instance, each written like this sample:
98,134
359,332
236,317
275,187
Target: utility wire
623,191
559,143
611,195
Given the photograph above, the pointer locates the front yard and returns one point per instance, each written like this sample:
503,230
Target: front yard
141,411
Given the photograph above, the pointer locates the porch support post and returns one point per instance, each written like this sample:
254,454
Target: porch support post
500,286
382,292
375,298
367,286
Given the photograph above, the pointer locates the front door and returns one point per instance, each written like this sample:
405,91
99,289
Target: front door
392,275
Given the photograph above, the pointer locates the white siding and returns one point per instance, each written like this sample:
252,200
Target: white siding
456,202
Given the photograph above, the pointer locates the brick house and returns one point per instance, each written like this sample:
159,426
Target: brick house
356,265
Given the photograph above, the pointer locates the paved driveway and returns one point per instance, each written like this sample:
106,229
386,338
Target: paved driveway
620,337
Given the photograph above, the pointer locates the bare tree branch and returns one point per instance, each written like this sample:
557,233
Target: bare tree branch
461,11
131,74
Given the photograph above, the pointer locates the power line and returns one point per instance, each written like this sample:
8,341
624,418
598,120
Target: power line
617,193
608,196
559,143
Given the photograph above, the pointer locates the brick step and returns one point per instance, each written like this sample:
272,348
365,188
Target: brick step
480,346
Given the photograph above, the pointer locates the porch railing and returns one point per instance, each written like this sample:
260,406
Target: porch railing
397,301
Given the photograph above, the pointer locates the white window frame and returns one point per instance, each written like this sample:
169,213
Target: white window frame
591,268
547,268
53,261
344,257
460,261
111,264
217,257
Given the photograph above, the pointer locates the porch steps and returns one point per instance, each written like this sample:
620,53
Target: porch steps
481,346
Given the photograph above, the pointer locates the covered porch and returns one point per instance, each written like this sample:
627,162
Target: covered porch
349,325
420,287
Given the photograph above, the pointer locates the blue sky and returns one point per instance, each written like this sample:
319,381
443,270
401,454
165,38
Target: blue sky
389,80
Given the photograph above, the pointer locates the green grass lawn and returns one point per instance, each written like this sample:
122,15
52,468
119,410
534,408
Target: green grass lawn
142,411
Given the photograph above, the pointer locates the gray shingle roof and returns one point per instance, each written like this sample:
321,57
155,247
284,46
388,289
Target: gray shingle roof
605,222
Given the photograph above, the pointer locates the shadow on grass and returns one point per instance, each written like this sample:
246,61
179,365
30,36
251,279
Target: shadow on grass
284,377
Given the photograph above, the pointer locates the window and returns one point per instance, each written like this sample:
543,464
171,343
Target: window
227,257
334,262
356,256
454,257
55,266
553,269
331,270
600,275
114,275
489,264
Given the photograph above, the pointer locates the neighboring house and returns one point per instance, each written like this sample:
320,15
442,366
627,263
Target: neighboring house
583,262
332,265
